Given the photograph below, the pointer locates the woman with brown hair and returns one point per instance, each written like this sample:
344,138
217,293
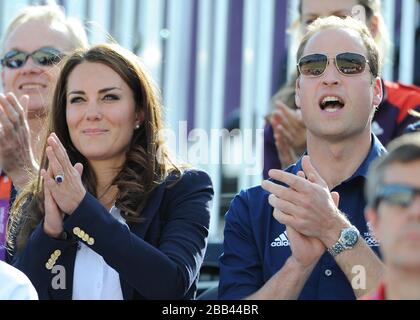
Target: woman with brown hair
110,208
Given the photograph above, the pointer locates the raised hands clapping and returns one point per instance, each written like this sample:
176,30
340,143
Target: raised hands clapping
63,187
16,154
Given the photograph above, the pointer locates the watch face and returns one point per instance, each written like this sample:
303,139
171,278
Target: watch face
350,237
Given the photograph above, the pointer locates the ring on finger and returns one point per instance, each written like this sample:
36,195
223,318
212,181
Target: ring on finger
59,178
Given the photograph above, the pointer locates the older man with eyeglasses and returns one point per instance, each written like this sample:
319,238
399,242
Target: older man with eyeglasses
393,193
303,235
34,42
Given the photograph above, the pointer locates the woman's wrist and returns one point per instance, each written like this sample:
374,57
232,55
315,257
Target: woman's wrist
54,233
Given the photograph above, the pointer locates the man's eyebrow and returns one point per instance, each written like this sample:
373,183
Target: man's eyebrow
335,13
345,12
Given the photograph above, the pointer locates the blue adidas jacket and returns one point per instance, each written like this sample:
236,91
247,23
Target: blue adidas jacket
256,245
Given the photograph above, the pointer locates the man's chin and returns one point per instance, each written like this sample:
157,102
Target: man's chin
408,260
36,112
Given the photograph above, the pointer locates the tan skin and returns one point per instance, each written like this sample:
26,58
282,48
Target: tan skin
289,133
398,229
289,130
57,200
15,150
22,108
101,120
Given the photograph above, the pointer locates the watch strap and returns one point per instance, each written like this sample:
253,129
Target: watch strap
336,249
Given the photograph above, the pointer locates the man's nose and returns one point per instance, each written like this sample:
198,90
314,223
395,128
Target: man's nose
331,75
30,66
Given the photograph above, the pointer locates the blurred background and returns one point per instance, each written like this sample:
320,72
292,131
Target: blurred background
218,62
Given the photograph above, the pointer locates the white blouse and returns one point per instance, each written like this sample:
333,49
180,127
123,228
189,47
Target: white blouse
93,278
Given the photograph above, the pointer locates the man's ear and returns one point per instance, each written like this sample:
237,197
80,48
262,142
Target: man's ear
297,93
371,216
374,26
377,92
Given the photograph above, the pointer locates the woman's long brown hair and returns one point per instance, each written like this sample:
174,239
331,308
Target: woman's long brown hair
147,160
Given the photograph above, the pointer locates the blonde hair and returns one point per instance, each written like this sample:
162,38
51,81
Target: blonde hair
50,14
373,55
372,9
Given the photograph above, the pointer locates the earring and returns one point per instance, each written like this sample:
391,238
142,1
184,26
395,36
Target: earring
137,126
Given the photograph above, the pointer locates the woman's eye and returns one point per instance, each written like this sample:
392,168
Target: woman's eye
76,100
111,97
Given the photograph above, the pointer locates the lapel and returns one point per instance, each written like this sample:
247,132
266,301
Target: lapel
140,229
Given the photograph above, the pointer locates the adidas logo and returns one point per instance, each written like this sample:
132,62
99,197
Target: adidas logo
281,240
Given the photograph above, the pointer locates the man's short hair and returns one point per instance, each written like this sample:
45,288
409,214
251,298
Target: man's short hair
404,149
348,23
50,14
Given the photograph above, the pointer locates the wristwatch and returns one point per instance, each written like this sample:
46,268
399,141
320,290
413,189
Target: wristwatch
348,239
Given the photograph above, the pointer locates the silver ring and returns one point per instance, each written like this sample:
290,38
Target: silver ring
59,178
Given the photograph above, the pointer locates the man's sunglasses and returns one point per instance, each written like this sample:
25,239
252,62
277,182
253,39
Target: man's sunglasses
15,59
398,195
347,63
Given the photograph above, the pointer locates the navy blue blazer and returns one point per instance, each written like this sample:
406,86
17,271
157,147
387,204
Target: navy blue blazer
158,258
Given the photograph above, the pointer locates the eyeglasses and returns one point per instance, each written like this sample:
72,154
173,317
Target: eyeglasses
46,56
347,63
397,195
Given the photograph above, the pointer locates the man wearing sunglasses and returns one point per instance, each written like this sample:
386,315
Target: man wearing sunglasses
393,194
33,44
303,235
285,134
46,57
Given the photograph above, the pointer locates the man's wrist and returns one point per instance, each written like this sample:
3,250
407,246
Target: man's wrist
293,264
333,234
22,176
349,237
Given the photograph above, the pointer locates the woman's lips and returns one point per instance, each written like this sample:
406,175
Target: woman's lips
93,132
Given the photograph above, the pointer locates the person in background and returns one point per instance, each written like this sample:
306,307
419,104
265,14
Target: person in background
414,127
393,194
34,42
285,132
301,234
110,205
15,285
416,79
